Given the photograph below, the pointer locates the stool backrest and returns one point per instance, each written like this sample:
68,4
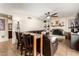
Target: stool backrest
26,39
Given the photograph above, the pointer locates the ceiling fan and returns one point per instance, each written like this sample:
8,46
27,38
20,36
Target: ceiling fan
48,15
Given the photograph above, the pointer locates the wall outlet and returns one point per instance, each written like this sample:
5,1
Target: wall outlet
3,36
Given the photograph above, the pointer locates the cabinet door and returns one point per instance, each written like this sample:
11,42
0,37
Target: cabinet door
74,39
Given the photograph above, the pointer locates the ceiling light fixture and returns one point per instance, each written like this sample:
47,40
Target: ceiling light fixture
48,17
29,17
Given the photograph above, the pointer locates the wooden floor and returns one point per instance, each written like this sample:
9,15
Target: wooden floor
7,49
65,50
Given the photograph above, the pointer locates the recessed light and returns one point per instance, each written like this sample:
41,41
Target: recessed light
29,17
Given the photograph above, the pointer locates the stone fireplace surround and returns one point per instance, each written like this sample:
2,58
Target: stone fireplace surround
58,33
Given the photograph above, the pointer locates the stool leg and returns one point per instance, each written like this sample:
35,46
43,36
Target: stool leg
17,45
25,53
21,52
21,49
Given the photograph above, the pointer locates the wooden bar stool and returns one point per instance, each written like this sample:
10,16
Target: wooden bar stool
27,44
18,37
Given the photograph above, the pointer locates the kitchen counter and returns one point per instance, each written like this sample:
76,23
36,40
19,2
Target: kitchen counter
75,33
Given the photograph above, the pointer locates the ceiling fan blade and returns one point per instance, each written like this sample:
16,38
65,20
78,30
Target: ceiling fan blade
45,13
54,16
55,13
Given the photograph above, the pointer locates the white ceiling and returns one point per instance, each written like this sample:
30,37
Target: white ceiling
38,9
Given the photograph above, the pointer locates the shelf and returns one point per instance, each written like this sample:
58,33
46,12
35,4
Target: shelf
57,25
73,27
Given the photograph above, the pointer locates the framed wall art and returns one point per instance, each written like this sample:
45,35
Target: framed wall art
2,24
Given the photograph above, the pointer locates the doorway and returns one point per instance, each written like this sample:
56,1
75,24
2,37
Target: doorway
9,27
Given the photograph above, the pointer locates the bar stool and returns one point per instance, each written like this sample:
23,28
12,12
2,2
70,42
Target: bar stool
18,40
28,46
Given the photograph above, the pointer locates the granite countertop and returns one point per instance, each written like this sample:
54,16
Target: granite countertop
74,33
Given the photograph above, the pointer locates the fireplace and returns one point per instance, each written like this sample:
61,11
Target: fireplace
57,32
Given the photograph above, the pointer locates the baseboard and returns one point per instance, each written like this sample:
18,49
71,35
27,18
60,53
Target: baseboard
3,40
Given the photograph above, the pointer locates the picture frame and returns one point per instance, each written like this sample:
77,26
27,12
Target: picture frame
2,24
